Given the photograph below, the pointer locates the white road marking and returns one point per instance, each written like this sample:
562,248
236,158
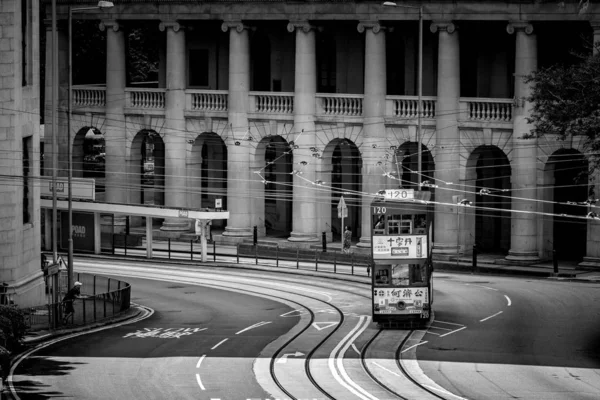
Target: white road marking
200,361
218,344
283,358
449,323
508,299
355,349
300,312
432,333
413,346
485,287
491,316
440,389
200,382
323,325
385,369
438,327
253,326
334,354
454,331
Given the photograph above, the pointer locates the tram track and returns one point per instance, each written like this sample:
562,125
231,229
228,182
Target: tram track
307,361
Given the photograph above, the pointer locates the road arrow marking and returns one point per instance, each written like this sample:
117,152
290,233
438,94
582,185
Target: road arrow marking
323,325
283,358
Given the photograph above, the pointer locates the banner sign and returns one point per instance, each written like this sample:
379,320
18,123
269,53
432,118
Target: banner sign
83,231
400,247
400,300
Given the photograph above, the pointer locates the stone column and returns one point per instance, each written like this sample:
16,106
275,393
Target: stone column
305,223
592,256
523,235
239,199
448,136
374,126
175,138
114,127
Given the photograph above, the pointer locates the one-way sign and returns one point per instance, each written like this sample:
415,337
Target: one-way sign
342,208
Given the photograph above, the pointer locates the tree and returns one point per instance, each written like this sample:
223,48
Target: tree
566,102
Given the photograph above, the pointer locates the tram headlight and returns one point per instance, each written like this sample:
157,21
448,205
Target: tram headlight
401,305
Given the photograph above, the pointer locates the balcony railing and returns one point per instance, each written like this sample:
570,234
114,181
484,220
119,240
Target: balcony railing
89,96
153,99
472,109
408,106
271,103
343,105
206,100
488,110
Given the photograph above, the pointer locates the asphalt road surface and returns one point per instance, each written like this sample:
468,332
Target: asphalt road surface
507,338
242,334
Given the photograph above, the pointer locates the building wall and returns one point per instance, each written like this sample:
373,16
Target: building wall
19,104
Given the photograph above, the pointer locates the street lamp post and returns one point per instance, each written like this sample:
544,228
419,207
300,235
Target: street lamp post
419,84
101,5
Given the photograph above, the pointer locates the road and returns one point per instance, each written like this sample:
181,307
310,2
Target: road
239,334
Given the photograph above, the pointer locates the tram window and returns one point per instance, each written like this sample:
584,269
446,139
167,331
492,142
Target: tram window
400,275
399,225
379,228
382,275
418,273
420,224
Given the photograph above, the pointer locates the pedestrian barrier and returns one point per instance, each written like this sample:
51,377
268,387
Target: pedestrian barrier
102,298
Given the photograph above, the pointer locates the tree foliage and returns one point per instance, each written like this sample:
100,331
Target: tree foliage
566,102
12,326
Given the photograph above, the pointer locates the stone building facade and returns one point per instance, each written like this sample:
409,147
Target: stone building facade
20,274
280,108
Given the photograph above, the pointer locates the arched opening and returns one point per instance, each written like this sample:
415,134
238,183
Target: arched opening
346,180
89,158
570,170
278,188
213,174
406,159
492,200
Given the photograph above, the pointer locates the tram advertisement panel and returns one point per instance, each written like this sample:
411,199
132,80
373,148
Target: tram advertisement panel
400,300
400,247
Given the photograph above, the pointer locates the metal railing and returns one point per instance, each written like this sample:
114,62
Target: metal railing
103,298
332,260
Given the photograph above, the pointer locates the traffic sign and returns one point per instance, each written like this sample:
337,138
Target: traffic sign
342,208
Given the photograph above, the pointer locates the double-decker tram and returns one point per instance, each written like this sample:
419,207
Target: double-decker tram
401,244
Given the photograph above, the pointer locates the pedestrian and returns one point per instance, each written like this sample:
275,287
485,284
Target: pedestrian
72,294
347,239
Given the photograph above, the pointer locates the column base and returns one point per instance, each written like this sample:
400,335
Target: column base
238,232
590,263
303,237
522,257
364,242
445,251
174,227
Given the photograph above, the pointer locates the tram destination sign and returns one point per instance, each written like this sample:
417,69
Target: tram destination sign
399,194
400,247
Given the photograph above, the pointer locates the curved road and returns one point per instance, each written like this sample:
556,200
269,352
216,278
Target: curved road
239,334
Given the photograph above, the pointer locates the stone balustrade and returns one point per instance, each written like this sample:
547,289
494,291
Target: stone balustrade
488,110
472,109
271,103
408,106
153,99
206,100
89,96
343,105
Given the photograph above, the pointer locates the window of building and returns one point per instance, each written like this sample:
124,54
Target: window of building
198,68
27,181
26,40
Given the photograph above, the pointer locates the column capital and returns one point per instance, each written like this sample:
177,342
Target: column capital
519,26
303,25
440,26
176,26
374,25
238,25
109,24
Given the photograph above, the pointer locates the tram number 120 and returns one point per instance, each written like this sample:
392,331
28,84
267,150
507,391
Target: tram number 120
379,210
